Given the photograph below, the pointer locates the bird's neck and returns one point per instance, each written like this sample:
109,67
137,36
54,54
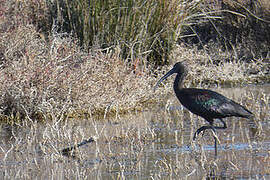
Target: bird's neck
178,82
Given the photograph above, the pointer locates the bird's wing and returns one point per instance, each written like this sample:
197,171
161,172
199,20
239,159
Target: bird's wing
227,108
231,108
205,102
210,104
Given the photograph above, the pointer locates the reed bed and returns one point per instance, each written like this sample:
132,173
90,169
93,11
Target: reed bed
70,70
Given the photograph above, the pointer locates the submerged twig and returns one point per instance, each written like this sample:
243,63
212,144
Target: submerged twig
66,151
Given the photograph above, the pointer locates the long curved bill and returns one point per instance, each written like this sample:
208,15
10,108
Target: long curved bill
164,77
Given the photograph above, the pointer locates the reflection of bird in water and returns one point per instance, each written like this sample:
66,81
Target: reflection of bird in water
205,103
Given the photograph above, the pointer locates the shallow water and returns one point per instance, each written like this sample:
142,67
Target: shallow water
156,143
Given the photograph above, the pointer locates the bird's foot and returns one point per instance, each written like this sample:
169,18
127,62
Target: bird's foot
201,129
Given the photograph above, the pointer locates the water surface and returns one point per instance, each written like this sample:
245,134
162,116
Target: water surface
156,143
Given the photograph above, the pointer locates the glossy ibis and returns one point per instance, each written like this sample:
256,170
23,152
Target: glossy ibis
208,104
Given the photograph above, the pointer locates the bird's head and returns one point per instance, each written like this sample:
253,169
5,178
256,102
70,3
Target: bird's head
179,68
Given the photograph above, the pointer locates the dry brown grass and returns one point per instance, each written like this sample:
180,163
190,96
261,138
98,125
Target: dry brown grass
46,76
152,144
51,78
40,78
204,71
58,77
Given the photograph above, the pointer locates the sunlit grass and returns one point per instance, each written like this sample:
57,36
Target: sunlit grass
45,73
156,143
40,81
55,93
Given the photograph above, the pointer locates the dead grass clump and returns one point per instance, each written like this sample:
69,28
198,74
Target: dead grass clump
58,77
205,72
20,13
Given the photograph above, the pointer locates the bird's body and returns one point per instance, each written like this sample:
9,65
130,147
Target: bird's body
208,104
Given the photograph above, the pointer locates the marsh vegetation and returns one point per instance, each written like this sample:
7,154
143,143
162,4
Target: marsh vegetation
156,143
71,70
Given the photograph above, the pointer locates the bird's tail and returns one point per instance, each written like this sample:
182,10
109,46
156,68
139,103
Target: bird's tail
244,112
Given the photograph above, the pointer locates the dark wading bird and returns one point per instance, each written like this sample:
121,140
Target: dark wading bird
208,104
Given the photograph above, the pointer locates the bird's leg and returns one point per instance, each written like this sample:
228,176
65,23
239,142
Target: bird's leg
203,128
213,128
215,137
